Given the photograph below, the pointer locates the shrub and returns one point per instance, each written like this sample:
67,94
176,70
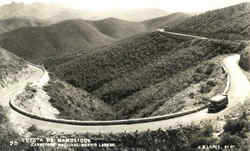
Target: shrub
30,87
3,118
207,131
228,140
199,141
235,126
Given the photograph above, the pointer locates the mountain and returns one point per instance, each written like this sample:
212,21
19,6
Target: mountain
57,13
117,28
66,37
136,73
7,25
170,20
73,14
35,10
137,15
226,23
71,36
55,40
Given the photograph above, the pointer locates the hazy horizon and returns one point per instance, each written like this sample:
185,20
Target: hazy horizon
167,5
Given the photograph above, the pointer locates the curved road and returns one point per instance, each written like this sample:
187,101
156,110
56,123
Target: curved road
238,93
179,34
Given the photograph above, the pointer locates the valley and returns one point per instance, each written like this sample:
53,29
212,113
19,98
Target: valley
118,76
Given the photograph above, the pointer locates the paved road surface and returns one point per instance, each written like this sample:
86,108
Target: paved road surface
179,34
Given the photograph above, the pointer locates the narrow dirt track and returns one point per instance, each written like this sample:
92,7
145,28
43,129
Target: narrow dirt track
238,93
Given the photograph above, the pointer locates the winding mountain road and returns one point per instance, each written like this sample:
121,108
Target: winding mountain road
238,93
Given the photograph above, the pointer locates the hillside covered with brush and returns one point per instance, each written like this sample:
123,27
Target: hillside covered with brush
67,37
245,58
34,41
135,72
117,28
227,23
55,40
77,104
10,66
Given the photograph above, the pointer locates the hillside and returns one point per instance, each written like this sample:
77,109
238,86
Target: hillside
11,24
76,104
141,70
245,58
36,42
227,23
67,37
41,44
170,20
11,67
117,28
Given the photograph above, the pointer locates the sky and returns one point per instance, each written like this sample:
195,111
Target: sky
168,5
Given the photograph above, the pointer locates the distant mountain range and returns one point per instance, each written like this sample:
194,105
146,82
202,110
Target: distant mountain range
81,36
70,36
7,25
54,40
35,10
55,13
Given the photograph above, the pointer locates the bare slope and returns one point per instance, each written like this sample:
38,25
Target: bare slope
226,23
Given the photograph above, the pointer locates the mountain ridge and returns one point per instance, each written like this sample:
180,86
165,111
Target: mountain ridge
70,36
231,23
57,13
